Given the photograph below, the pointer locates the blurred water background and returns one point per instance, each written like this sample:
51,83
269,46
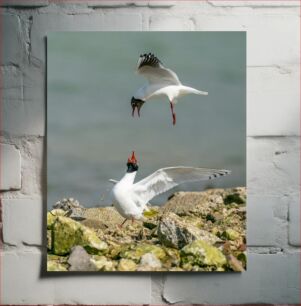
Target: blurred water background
90,131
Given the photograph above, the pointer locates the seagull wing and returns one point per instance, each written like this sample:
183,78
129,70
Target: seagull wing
153,70
167,178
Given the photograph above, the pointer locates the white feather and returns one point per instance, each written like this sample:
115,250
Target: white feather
167,178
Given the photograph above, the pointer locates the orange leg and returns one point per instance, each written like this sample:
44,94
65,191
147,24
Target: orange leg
120,225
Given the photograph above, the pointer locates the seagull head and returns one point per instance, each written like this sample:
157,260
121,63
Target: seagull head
132,164
136,103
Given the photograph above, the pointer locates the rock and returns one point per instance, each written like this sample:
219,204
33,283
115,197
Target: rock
230,234
67,204
52,215
49,240
235,196
103,217
151,212
135,252
56,263
72,208
173,258
127,265
182,235
234,263
174,232
205,202
242,257
55,266
67,233
102,263
194,203
80,260
149,262
200,253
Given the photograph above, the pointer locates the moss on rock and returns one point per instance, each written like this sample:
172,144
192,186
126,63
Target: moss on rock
67,233
200,253
135,252
127,265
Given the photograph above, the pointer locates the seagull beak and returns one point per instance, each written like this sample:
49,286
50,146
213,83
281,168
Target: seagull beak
132,159
138,108
133,110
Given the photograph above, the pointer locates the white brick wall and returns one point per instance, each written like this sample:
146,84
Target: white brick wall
273,94
10,172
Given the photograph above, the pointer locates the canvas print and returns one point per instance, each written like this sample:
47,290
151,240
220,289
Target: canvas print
146,151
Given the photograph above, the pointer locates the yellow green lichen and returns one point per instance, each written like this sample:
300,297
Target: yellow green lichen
201,253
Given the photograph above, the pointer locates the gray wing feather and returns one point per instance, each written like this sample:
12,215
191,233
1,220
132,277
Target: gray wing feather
167,178
153,70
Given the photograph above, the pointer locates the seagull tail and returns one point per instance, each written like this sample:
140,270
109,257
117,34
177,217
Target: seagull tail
202,93
190,90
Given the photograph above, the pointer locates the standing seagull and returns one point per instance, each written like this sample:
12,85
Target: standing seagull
161,81
130,198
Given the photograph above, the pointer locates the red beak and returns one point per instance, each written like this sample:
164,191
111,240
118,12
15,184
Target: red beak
132,159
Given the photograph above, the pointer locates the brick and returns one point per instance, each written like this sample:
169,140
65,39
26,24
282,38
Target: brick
170,23
267,214
10,167
250,3
23,101
294,220
11,83
24,3
33,167
268,33
28,215
13,46
269,279
22,283
117,3
273,95
161,3
273,165
47,23
260,220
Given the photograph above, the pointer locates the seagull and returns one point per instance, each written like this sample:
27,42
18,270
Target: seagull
161,82
130,199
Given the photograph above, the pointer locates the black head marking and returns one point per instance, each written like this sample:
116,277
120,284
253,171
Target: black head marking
131,167
136,103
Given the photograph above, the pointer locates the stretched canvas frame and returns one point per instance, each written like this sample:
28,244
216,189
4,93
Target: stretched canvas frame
90,134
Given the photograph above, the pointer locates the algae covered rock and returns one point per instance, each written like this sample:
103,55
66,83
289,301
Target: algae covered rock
200,253
230,234
102,263
127,265
56,263
52,216
55,266
67,233
176,233
135,252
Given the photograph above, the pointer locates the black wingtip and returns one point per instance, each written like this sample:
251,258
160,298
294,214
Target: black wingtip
149,59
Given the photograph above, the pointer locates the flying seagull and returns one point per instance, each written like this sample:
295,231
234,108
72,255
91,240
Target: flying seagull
161,82
130,198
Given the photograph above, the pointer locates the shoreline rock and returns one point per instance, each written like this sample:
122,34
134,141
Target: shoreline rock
192,231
